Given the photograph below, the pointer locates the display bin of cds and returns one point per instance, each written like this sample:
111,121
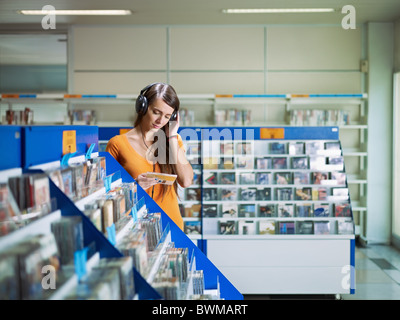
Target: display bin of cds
93,254
276,208
215,282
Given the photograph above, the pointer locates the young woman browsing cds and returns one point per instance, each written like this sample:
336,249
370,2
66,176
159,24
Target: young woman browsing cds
154,145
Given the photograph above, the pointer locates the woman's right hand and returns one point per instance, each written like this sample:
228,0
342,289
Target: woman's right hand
145,182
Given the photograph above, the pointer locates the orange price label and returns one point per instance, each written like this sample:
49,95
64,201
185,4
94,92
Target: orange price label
69,141
272,133
72,96
10,96
300,95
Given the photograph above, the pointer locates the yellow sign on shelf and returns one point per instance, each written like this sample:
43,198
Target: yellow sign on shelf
69,141
272,133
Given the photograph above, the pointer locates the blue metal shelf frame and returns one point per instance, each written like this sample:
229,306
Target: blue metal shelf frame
11,147
43,144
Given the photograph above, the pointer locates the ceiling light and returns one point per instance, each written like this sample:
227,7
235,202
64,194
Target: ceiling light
78,12
297,10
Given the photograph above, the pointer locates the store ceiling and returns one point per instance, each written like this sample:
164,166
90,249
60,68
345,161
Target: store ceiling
196,12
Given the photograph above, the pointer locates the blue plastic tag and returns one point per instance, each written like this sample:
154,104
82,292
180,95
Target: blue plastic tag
107,182
80,259
65,159
111,234
89,152
134,213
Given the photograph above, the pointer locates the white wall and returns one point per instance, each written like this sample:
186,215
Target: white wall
380,94
216,59
396,162
212,60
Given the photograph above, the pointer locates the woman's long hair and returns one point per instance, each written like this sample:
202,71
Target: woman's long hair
168,95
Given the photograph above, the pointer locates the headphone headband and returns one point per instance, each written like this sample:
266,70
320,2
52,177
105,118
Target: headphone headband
141,101
147,88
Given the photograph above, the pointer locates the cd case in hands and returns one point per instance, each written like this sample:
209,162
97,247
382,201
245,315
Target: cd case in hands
164,178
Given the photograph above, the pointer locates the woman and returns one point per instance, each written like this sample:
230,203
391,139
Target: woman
153,145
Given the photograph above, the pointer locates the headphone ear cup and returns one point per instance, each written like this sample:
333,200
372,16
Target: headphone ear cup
173,117
141,104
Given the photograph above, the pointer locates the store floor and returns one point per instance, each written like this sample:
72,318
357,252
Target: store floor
377,277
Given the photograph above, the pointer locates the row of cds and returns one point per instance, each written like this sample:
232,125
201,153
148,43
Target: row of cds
141,241
34,268
87,117
267,194
31,193
78,180
217,148
171,278
9,211
232,117
21,267
281,210
276,178
313,162
314,117
111,279
272,227
27,197
68,232
112,208
143,244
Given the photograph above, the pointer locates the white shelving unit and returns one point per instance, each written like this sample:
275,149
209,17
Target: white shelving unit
297,262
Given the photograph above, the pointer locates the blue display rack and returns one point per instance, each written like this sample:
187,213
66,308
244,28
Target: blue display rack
43,144
11,147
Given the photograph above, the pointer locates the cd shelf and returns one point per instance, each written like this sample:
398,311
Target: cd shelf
73,281
106,247
248,176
